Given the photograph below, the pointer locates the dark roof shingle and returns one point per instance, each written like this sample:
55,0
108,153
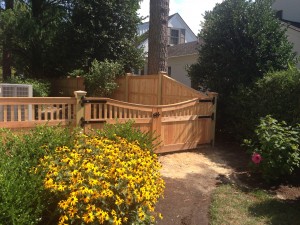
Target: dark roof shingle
190,48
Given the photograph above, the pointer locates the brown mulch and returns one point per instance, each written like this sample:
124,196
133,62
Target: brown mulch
191,176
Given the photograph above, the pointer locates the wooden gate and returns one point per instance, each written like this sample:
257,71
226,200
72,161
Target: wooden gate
179,126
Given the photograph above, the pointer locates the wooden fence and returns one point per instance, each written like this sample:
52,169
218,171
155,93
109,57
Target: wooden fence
154,90
179,126
65,87
23,112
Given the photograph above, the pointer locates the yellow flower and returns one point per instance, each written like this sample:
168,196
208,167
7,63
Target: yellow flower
72,211
117,221
93,182
101,215
48,182
160,216
141,214
90,208
88,217
63,204
73,200
118,201
86,199
62,219
61,187
118,175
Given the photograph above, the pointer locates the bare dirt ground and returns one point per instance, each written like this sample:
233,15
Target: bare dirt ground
191,176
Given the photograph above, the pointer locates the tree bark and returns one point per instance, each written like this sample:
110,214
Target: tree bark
6,51
158,39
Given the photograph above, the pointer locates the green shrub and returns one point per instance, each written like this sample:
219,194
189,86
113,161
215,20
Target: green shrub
40,88
127,130
76,72
278,146
100,81
101,181
23,200
276,94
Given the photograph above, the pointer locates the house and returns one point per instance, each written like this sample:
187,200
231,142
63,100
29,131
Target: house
288,11
182,47
179,57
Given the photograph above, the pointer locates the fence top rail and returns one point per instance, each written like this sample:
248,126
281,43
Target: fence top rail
139,106
36,100
123,104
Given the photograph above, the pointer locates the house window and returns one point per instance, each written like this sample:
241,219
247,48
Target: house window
174,39
169,71
177,36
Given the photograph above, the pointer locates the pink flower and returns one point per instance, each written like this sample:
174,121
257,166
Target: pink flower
256,158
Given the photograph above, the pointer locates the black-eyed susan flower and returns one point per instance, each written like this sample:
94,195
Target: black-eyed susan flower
104,181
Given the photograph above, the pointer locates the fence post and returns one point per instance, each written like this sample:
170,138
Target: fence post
79,109
159,94
127,87
214,111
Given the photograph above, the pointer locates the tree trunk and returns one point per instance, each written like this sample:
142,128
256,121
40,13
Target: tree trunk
158,39
6,51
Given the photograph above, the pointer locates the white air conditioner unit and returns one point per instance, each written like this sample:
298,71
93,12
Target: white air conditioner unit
15,90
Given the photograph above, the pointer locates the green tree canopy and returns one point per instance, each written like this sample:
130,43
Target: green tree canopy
107,30
53,37
242,41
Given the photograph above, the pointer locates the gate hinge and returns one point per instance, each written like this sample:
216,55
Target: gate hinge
84,122
212,116
84,101
213,100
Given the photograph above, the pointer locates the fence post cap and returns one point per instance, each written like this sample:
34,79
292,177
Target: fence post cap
163,72
79,93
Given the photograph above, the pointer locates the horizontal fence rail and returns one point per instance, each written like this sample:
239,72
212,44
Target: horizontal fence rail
23,112
178,126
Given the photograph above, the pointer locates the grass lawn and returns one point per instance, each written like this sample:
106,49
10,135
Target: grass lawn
231,205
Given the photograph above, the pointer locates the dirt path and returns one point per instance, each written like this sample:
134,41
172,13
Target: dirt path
190,178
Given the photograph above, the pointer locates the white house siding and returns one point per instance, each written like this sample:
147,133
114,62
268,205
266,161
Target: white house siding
144,45
290,9
177,22
143,28
178,67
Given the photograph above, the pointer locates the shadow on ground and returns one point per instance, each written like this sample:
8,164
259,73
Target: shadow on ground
191,176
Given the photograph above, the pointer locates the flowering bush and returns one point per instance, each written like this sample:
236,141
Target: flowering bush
103,181
23,200
256,158
127,130
276,152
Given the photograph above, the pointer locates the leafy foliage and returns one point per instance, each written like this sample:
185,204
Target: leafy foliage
52,38
242,41
40,88
276,94
278,144
100,81
127,130
101,181
50,174
23,200
107,30
38,30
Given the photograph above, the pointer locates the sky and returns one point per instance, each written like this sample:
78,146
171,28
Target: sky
191,11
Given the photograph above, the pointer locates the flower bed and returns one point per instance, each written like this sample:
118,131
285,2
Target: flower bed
85,180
